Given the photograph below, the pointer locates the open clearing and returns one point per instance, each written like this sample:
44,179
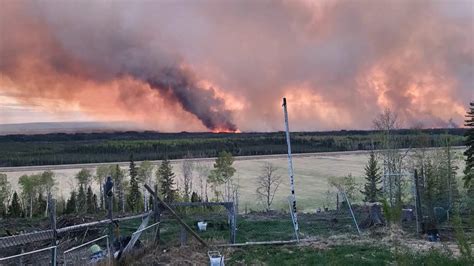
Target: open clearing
311,176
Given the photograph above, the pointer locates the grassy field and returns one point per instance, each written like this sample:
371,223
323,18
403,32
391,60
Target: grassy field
338,255
311,176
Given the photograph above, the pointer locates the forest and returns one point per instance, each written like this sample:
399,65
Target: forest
54,149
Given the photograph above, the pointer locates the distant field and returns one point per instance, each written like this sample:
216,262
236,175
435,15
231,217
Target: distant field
311,174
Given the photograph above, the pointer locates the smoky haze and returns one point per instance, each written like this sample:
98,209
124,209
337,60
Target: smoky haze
225,65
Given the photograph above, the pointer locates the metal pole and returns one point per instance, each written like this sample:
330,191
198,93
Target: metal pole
109,255
25,253
350,208
290,170
293,219
55,255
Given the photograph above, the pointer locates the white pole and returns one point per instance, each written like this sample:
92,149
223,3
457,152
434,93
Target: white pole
290,169
350,208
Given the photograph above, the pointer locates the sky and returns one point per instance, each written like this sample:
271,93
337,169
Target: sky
210,65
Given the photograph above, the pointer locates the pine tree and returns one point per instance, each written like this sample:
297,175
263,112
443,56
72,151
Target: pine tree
95,207
40,205
195,197
430,189
81,200
134,197
167,181
14,210
372,190
469,153
71,205
119,188
90,206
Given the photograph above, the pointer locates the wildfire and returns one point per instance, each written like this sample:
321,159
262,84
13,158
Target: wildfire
225,130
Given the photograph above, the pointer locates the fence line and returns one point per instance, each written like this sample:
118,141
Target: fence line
141,230
65,253
29,253
87,243
17,240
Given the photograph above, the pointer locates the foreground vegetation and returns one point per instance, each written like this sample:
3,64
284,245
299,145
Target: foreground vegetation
338,255
52,149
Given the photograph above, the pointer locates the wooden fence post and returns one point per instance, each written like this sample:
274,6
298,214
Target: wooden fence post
157,215
183,236
233,224
418,210
52,218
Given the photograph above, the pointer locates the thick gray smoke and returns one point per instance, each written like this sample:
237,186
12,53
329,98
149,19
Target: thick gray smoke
339,63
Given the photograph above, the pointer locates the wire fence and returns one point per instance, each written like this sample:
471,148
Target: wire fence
89,253
39,257
147,235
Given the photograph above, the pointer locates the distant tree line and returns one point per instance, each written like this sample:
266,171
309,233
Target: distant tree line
51,149
128,195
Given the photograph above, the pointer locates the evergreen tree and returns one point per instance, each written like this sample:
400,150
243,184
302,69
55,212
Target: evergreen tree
119,188
372,190
166,176
40,205
469,153
134,197
95,207
195,197
60,206
81,200
90,205
430,189
71,205
14,210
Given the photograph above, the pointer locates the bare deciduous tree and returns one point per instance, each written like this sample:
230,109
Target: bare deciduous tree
145,176
387,122
188,168
267,184
203,171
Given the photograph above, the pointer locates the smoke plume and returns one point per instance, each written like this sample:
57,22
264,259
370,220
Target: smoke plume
225,65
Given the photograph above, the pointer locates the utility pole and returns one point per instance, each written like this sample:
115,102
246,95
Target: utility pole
290,171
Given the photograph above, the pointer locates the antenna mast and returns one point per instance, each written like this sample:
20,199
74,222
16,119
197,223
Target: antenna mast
290,172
